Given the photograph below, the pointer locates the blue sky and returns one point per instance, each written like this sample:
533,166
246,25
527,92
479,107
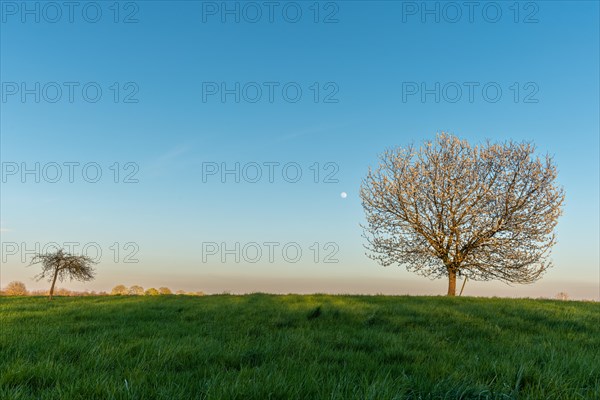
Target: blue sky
360,64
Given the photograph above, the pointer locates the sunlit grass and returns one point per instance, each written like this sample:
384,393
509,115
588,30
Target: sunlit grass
309,347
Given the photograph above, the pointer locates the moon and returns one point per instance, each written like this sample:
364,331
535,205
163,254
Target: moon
343,195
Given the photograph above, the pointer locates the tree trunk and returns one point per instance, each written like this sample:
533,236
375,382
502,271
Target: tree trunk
451,282
53,283
463,286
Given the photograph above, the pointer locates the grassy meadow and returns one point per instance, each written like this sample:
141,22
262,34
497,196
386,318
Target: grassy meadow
298,347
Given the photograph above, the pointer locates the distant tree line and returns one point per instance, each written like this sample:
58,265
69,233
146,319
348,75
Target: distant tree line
136,290
17,288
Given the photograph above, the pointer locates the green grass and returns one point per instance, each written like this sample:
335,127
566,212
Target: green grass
298,347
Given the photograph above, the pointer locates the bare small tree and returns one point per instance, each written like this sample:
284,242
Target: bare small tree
447,209
61,265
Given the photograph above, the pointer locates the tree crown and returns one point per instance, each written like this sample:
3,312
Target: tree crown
65,265
484,212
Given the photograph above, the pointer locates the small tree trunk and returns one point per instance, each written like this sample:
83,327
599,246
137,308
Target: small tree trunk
451,282
53,283
463,286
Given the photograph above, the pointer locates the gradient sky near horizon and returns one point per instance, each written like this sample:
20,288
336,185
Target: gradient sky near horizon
361,68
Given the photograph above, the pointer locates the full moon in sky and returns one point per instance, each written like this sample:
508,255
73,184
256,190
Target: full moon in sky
344,195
